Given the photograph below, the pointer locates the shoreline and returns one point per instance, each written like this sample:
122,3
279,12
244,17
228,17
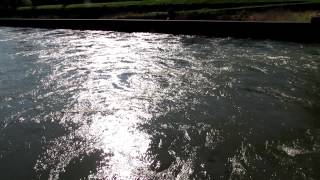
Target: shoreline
286,31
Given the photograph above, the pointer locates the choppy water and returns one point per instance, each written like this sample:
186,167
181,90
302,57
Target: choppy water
110,105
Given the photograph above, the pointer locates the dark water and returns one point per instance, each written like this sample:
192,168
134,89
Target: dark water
108,105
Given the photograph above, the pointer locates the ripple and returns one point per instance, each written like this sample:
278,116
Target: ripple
112,105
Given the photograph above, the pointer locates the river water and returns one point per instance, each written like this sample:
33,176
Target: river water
111,105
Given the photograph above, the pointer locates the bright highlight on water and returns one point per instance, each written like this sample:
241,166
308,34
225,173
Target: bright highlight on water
110,105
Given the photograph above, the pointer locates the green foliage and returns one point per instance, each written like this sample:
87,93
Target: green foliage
161,2
158,9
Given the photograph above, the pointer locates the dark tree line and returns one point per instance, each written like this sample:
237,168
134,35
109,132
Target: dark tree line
47,2
12,4
7,4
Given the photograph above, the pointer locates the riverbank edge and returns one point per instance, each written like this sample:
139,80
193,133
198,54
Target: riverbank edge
287,31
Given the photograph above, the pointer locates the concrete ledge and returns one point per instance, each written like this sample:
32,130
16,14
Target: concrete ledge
289,31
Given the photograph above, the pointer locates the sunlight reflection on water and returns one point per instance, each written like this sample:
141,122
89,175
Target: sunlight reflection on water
109,105
117,99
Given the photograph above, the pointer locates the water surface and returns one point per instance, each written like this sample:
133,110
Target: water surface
111,105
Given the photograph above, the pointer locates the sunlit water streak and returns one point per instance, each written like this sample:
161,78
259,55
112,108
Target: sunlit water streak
110,105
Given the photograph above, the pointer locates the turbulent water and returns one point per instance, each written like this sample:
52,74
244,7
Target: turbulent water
111,105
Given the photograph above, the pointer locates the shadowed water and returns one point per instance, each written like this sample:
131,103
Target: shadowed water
110,105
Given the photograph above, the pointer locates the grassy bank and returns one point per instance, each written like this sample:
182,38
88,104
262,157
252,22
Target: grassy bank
177,9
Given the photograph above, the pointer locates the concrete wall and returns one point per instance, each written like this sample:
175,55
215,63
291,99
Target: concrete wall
301,32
